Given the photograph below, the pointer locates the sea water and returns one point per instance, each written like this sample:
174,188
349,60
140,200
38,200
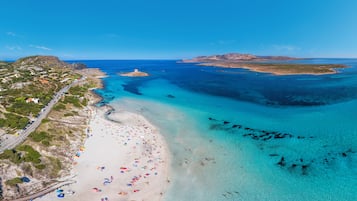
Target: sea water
234,134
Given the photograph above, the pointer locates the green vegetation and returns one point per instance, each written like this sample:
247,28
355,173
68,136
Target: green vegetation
23,108
40,136
78,90
22,153
68,114
12,155
40,166
14,121
31,77
59,107
31,154
72,100
14,181
45,120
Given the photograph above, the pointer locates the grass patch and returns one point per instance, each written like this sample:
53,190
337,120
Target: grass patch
68,114
14,181
46,120
72,100
40,136
59,107
13,121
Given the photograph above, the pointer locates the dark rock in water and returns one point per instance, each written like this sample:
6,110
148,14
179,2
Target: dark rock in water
226,122
211,119
234,126
132,88
278,136
255,137
247,134
282,161
344,154
170,96
293,165
301,137
267,138
304,169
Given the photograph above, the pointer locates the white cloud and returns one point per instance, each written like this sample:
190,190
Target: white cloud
40,47
288,48
13,48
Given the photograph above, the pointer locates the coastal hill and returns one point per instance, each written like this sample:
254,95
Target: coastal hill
47,61
264,64
236,57
27,87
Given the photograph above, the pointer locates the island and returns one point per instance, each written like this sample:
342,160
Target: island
265,64
135,73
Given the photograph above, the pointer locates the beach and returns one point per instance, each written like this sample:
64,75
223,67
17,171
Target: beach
123,158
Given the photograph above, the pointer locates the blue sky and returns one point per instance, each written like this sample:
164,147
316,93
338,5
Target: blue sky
174,29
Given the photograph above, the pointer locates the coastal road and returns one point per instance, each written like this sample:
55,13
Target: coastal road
23,134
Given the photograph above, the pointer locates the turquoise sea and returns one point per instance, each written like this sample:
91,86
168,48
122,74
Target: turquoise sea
240,135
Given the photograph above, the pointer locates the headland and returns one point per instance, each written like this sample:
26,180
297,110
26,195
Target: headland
265,64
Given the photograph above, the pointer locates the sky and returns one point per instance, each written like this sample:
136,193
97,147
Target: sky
175,29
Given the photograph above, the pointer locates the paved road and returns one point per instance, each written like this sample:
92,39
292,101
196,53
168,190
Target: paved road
13,142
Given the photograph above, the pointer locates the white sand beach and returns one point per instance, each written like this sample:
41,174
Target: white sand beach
123,160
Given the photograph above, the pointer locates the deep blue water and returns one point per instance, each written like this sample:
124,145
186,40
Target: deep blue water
240,135
242,85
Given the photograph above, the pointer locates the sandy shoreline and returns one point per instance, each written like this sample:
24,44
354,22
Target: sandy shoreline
124,158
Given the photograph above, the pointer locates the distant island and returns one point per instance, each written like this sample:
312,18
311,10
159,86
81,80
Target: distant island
135,73
264,64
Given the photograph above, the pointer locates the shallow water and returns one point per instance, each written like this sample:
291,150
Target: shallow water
241,135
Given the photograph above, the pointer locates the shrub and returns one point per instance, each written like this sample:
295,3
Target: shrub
40,166
68,114
46,143
38,137
59,107
45,120
14,181
31,155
